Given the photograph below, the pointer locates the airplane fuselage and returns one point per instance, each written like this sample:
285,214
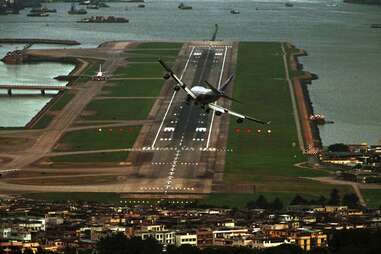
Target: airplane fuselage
204,95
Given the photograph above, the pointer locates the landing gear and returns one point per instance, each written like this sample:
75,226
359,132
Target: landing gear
176,88
218,113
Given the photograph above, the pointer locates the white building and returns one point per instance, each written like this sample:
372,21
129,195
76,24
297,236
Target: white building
186,238
158,232
5,233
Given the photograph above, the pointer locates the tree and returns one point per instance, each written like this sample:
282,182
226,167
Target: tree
340,147
28,251
70,250
299,200
334,198
138,246
322,200
112,244
119,244
284,249
351,200
183,249
262,202
276,204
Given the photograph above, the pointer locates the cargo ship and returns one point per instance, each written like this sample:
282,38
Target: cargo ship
234,11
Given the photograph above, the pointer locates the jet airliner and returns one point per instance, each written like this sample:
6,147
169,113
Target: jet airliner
207,97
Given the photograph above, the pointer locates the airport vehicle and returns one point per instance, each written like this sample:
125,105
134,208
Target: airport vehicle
207,97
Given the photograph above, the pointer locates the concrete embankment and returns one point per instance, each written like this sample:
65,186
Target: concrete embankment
310,131
39,41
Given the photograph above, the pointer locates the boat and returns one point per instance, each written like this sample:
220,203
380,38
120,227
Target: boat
74,11
38,14
234,11
135,1
103,5
320,119
182,6
103,19
141,5
42,9
92,6
375,26
84,2
288,4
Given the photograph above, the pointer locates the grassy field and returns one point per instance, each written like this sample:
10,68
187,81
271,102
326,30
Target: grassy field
372,197
43,122
91,158
267,158
9,141
79,196
240,200
62,101
93,139
131,88
140,70
134,109
119,109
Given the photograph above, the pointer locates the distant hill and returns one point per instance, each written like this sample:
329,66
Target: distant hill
378,2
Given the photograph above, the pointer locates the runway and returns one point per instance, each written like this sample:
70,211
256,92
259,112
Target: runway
180,151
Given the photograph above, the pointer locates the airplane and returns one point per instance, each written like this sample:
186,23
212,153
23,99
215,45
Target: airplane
100,75
207,97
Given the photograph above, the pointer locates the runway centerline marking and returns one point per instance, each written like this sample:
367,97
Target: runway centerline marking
173,96
219,84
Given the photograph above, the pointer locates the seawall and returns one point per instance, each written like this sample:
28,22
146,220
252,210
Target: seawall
39,41
301,79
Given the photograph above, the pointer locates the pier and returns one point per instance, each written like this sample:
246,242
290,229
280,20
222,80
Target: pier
42,88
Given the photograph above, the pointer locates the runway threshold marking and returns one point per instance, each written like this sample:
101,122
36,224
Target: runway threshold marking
219,84
173,96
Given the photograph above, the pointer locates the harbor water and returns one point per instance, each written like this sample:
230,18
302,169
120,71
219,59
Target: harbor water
343,49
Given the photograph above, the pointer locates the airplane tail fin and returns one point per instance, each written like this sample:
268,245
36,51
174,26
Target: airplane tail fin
226,83
219,92
100,68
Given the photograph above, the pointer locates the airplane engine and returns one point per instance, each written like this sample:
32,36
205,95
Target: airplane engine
166,76
240,120
176,88
218,113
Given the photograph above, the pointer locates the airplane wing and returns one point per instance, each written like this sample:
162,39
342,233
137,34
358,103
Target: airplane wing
241,117
179,82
